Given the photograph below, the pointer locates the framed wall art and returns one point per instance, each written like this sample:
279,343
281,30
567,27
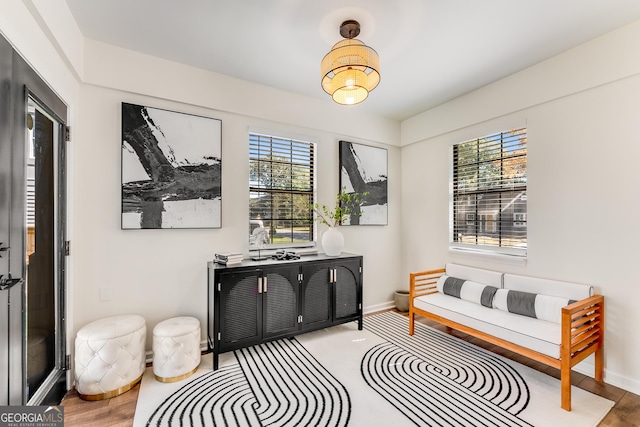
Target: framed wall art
363,169
171,169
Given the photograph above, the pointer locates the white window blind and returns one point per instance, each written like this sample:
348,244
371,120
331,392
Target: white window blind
489,203
281,189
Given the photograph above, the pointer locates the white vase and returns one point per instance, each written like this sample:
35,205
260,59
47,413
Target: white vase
332,241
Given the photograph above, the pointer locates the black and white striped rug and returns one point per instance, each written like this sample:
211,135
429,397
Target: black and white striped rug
377,377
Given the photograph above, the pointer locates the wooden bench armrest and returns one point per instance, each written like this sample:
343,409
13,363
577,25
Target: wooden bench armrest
423,283
584,303
582,327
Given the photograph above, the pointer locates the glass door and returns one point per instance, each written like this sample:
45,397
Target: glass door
44,308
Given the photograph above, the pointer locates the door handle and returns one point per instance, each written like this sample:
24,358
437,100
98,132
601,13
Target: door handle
7,281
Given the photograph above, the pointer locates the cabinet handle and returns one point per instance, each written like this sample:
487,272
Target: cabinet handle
331,275
259,285
335,275
264,285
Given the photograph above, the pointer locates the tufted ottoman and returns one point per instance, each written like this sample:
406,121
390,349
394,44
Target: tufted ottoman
110,358
176,348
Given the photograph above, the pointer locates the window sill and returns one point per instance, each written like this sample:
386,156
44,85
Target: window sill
458,253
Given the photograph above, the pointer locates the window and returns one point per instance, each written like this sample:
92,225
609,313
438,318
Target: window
280,191
489,203
471,217
520,219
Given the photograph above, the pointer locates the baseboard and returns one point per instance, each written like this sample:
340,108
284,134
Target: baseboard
621,381
367,310
587,368
378,307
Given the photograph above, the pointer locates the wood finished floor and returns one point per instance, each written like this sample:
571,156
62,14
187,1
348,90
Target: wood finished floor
119,411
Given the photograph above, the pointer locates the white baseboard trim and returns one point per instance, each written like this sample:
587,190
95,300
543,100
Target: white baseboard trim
587,367
378,307
621,381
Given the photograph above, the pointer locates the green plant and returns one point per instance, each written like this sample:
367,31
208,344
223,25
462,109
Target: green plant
346,204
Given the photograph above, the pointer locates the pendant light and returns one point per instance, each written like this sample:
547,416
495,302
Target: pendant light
352,69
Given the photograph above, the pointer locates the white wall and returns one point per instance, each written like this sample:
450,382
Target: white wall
583,185
162,273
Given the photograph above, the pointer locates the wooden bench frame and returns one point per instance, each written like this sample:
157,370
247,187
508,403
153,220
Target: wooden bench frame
582,330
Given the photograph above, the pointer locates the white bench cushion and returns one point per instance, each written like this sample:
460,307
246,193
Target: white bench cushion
535,334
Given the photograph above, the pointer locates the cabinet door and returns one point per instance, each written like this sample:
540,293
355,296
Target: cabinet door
347,289
316,295
280,301
240,310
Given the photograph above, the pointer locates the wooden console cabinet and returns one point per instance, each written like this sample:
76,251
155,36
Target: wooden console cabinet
258,301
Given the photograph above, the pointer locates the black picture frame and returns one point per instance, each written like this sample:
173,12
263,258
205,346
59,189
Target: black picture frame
364,169
171,169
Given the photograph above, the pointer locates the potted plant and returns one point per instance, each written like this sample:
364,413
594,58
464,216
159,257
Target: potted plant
346,204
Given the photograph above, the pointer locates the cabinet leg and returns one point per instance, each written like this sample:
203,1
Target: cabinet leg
360,323
215,361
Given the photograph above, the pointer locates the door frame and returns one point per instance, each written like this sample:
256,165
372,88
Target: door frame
42,395
24,83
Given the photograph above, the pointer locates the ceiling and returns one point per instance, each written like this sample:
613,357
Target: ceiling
430,51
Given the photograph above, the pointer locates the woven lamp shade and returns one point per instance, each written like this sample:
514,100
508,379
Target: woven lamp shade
350,71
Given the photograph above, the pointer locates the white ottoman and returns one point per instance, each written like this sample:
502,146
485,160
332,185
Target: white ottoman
176,348
109,358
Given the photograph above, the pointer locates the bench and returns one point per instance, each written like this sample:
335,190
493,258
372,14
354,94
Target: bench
553,322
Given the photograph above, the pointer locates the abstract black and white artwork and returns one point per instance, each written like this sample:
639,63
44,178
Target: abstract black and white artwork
363,169
171,169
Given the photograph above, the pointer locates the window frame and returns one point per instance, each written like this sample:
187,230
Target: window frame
520,219
521,226
271,247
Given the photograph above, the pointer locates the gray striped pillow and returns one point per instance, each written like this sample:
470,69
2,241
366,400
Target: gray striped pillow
467,290
538,306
